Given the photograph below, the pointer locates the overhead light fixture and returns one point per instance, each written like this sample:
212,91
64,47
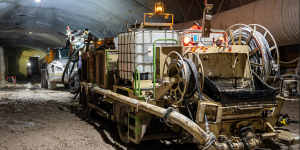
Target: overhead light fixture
159,7
37,1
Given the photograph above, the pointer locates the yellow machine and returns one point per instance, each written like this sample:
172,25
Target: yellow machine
183,86
50,57
53,66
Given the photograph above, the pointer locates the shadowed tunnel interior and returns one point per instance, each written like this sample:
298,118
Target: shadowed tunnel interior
41,111
41,24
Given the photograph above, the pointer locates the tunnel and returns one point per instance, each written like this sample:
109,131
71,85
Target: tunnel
149,74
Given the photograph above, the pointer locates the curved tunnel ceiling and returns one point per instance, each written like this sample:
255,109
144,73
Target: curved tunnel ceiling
42,24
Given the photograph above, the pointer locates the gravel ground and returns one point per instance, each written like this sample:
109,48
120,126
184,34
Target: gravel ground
36,119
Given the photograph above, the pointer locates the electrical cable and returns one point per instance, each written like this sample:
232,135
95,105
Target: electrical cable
72,59
291,62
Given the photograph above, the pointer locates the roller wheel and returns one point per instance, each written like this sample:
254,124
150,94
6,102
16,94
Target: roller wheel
121,113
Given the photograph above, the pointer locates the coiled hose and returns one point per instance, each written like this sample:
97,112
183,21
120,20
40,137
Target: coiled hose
258,40
194,84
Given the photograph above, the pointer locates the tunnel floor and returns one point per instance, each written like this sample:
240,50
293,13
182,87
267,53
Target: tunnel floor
32,118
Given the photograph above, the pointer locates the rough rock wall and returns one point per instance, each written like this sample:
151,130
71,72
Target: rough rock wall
281,17
2,67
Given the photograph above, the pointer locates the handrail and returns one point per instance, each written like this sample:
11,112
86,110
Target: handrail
137,83
154,60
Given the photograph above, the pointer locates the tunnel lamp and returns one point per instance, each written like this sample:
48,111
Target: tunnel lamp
28,64
159,7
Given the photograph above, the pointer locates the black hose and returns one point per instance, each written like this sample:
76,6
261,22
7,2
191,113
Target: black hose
189,111
73,59
193,85
195,76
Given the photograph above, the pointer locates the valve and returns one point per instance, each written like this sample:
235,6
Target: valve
285,120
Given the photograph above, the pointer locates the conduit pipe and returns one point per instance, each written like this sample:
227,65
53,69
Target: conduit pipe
174,117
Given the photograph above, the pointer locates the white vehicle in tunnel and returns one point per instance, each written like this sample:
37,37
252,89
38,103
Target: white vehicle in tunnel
52,71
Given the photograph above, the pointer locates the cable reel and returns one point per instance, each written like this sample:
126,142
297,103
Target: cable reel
175,68
264,53
269,42
187,74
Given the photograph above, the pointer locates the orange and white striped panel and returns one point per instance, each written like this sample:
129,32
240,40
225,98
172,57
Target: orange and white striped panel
195,48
